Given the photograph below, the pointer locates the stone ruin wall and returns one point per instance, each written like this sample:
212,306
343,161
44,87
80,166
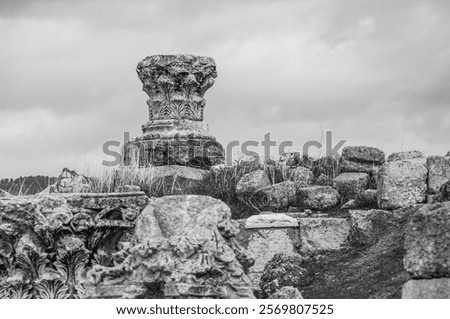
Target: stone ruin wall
81,245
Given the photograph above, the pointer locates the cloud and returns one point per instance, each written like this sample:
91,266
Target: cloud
375,73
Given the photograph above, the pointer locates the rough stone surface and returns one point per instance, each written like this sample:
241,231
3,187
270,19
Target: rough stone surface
61,236
317,197
263,244
366,227
438,288
427,242
351,184
361,159
432,199
270,221
438,173
189,257
448,154
249,183
275,197
317,234
154,149
408,155
177,180
301,176
69,181
284,269
402,183
286,293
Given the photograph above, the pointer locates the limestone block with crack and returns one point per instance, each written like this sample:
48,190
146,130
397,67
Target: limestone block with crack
402,183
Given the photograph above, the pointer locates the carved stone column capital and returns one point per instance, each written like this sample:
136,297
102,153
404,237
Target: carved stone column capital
176,85
175,133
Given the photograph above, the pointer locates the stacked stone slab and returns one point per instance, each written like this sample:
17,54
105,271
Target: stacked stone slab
349,185
317,197
257,189
361,159
427,257
175,134
402,181
276,197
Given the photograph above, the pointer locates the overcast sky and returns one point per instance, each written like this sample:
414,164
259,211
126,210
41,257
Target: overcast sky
376,73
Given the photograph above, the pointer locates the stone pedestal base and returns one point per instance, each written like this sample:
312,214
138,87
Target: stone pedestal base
174,142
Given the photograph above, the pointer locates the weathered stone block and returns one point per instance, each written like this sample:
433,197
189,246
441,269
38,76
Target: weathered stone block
251,182
361,159
301,176
427,242
156,149
368,226
87,228
402,183
263,244
438,173
317,234
275,197
351,184
195,237
176,180
317,197
437,288
284,269
404,156
270,221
